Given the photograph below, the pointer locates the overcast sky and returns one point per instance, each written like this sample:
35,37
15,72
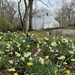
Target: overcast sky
53,6
55,3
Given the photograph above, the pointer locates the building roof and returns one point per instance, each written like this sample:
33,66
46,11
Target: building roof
42,12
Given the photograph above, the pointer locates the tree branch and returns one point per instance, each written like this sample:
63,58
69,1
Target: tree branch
43,2
20,13
25,3
49,2
11,7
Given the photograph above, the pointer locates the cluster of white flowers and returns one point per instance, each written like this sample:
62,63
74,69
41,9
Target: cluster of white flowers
61,57
73,60
10,61
65,40
54,44
17,54
44,43
71,52
59,42
73,46
11,69
23,40
28,46
22,58
27,54
46,38
30,58
8,45
64,63
41,60
18,45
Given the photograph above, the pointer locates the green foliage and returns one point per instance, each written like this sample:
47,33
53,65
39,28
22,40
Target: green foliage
5,25
49,56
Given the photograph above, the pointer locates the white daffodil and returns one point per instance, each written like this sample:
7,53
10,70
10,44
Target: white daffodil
54,44
27,54
64,63
17,54
10,61
41,60
73,60
71,52
61,57
30,58
22,58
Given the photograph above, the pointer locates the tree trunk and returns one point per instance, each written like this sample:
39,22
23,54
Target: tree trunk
25,20
20,14
30,14
69,16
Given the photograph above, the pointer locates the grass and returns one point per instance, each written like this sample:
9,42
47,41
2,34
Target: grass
43,33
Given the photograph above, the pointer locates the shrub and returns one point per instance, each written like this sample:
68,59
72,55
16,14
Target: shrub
5,25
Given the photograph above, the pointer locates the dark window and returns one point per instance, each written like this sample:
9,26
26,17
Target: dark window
47,14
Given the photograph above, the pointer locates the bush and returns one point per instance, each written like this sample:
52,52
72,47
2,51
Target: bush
5,25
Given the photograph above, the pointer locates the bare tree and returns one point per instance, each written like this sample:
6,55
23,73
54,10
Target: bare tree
11,10
65,15
30,14
25,19
20,14
8,9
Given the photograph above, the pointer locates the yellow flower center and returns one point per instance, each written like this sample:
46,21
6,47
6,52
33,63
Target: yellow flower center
15,73
47,57
67,71
29,63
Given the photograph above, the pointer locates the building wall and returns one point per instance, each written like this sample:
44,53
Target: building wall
42,22
37,22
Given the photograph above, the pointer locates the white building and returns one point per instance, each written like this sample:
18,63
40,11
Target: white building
43,19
